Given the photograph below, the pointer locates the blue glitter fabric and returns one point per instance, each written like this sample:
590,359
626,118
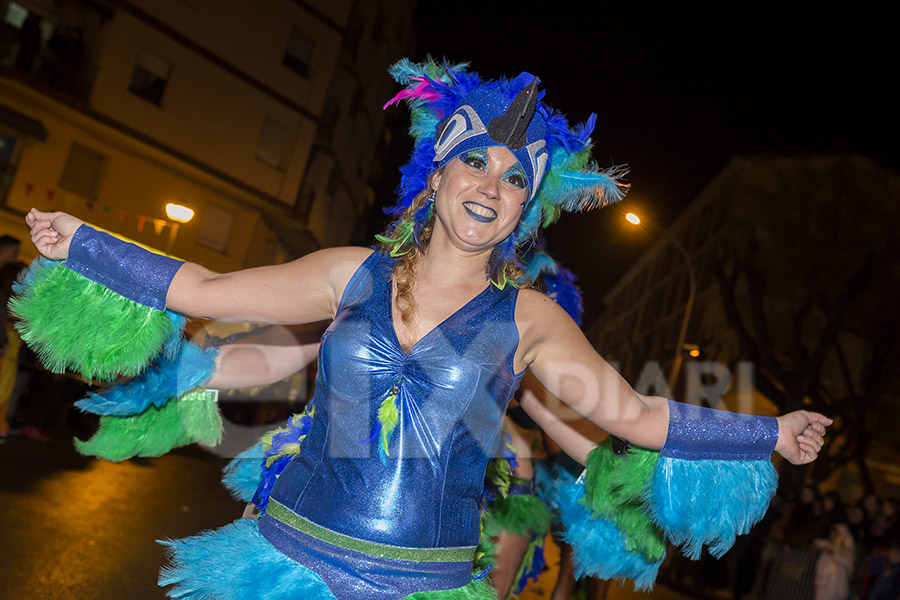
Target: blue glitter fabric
452,390
129,270
469,127
700,433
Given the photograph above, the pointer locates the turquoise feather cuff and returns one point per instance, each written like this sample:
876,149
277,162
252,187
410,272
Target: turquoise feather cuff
630,499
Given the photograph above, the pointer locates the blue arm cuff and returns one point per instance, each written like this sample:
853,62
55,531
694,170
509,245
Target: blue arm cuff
699,433
129,270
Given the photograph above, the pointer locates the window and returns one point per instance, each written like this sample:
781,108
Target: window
215,228
151,73
299,54
334,180
329,117
274,143
81,175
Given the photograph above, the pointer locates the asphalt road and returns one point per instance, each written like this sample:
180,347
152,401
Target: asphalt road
80,528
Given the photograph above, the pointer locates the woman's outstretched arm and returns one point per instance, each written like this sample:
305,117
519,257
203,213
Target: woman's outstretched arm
267,357
562,359
302,291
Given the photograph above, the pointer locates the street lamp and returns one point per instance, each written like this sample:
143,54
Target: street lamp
178,213
689,304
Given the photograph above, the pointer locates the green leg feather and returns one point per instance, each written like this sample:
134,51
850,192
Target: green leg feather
191,419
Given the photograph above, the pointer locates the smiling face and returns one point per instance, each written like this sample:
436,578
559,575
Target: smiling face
480,198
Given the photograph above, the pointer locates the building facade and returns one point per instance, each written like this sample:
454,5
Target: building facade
796,271
252,115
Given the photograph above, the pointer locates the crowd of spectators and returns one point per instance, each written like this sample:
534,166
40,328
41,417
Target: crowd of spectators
814,546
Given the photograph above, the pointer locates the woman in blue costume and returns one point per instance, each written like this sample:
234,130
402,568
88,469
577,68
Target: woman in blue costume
428,341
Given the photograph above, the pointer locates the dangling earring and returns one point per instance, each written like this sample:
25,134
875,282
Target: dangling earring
504,254
421,218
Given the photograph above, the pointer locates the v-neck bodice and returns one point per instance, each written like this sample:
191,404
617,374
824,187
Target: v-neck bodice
467,308
452,388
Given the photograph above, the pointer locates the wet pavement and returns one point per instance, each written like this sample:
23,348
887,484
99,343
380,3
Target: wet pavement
81,528
77,528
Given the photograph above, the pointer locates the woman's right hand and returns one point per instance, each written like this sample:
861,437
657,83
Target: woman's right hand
51,232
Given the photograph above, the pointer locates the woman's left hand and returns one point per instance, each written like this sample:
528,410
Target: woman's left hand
801,435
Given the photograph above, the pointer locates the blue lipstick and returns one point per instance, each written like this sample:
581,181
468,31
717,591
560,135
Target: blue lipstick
478,217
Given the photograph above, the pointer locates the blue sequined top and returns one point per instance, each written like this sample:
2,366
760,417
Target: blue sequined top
452,390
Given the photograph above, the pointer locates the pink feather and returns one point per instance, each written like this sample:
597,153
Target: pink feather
422,90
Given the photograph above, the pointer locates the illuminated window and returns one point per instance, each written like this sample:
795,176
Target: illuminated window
150,76
81,175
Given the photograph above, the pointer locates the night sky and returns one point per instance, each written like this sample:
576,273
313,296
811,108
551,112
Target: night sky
677,95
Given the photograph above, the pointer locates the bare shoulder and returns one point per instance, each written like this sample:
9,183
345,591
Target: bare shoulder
332,267
535,304
539,318
333,262
345,261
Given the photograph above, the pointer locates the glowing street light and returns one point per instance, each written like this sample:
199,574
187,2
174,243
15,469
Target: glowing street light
179,213
688,306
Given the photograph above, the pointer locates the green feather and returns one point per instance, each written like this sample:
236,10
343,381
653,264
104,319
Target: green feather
191,419
388,417
402,242
289,448
486,552
523,514
613,480
73,323
615,487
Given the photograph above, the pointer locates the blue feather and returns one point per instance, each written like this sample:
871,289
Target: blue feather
532,571
539,264
26,277
592,189
191,368
173,344
235,561
279,447
709,502
242,476
598,547
269,477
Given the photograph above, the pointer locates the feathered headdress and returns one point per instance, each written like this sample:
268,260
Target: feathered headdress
453,110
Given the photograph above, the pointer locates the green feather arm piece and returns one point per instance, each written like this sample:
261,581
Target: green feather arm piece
615,486
523,514
73,323
193,418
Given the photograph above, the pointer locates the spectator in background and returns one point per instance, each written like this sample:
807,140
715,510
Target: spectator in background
830,511
834,567
883,575
799,529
